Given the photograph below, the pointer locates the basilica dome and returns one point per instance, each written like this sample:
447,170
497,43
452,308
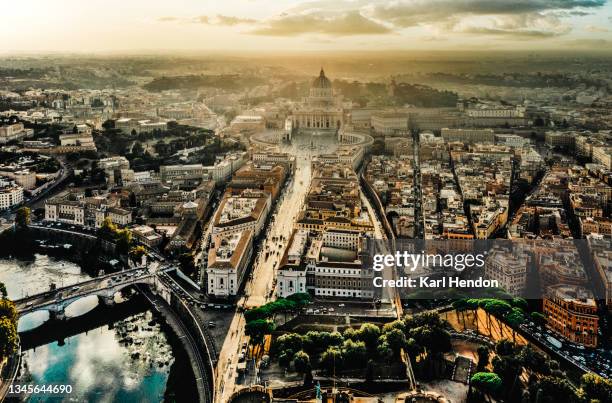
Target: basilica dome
321,81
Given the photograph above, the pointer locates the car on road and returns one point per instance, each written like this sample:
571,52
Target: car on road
341,305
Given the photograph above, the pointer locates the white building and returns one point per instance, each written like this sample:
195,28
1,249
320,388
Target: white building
509,269
603,155
10,195
127,125
15,131
322,110
512,140
169,172
66,211
291,276
227,263
390,122
223,169
468,135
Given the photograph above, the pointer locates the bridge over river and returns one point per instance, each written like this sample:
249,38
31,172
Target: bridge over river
55,301
163,298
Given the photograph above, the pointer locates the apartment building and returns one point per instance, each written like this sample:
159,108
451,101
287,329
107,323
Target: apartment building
509,268
11,194
572,313
245,211
76,209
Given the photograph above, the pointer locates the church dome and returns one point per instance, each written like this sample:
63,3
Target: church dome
321,81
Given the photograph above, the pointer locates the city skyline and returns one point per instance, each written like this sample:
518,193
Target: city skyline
243,25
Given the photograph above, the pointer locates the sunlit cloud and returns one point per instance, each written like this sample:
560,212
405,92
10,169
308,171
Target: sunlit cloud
231,20
350,23
219,19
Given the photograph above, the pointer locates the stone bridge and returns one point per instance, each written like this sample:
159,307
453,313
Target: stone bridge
105,287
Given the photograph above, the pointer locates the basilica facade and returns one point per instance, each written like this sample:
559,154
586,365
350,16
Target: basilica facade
322,110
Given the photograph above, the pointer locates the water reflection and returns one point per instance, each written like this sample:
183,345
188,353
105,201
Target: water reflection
32,320
81,306
130,362
23,278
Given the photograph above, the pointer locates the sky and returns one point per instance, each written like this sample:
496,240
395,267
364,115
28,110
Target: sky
107,26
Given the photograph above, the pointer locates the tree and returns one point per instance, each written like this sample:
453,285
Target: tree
136,254
108,124
22,217
289,341
488,382
504,347
123,240
395,339
460,306
3,293
301,362
538,318
396,324
369,334
519,303
550,389
350,334
331,360
483,357
301,299
8,337
257,329
534,360
137,148
431,319
596,388
509,368
354,353
187,263
284,359
498,309
8,310
514,318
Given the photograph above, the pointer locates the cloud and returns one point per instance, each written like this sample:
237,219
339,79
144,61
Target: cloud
417,12
201,19
520,26
220,19
231,20
344,24
596,29
167,19
517,18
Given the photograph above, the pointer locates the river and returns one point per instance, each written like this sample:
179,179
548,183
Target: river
131,360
